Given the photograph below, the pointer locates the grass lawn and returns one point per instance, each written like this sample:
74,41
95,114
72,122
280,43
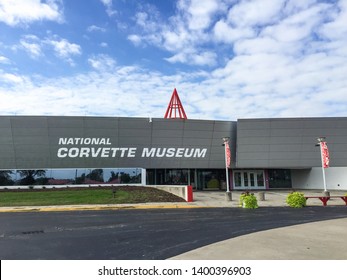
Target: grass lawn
92,195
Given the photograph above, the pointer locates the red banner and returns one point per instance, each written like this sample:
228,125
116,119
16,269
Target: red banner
325,154
227,154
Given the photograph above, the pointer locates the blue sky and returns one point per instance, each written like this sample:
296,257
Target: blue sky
228,59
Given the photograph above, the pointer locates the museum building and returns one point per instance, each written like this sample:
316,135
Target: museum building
271,153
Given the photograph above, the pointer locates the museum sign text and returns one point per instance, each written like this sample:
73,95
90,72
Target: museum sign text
102,147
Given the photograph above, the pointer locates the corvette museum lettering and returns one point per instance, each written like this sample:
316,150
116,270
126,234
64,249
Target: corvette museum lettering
102,147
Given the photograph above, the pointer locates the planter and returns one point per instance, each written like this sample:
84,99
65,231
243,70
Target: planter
248,200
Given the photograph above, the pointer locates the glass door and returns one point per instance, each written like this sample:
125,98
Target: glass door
249,179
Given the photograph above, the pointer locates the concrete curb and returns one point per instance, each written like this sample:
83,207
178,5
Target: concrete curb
64,208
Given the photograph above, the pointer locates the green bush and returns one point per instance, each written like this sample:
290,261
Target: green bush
296,200
248,200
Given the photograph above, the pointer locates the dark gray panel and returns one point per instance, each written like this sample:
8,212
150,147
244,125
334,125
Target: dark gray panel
130,141
66,132
65,122
6,151
35,140
198,133
133,123
167,133
5,122
126,132
169,141
29,122
198,125
26,131
159,124
6,139
101,123
256,124
291,141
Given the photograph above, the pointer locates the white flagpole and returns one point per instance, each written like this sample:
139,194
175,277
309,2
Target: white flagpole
226,139
321,140
323,169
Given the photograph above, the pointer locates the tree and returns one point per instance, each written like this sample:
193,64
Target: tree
5,178
113,176
124,177
28,176
96,175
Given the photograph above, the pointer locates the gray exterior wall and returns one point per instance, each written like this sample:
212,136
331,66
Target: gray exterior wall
33,142
290,143
336,178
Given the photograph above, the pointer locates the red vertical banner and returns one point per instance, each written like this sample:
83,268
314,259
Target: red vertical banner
325,154
227,154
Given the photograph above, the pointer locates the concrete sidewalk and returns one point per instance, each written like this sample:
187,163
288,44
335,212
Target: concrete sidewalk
324,240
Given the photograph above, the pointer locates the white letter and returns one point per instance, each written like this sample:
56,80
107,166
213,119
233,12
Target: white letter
148,153
161,154
131,152
73,152
114,151
123,150
170,152
60,154
62,141
200,153
179,152
105,152
84,152
96,152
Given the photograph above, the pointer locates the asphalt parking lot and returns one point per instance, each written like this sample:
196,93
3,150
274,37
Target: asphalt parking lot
140,234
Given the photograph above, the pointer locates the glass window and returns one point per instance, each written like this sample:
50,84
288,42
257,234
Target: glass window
211,179
279,178
251,178
245,179
70,176
237,178
260,178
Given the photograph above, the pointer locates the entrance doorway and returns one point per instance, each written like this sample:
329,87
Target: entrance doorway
249,179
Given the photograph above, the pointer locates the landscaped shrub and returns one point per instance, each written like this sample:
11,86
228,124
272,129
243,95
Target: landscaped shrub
248,200
296,200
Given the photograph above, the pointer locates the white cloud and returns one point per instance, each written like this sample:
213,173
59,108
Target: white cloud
93,28
32,45
182,34
280,62
253,13
225,33
4,60
11,78
37,47
102,62
201,58
63,48
109,7
135,39
14,12
199,15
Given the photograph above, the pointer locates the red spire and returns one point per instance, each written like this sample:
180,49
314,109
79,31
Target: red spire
175,109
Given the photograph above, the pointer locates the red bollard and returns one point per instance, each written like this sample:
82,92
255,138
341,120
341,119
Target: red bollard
189,194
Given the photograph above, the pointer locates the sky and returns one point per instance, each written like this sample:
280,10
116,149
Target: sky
228,59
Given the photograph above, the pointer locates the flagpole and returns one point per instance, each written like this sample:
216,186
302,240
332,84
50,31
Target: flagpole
225,140
321,140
